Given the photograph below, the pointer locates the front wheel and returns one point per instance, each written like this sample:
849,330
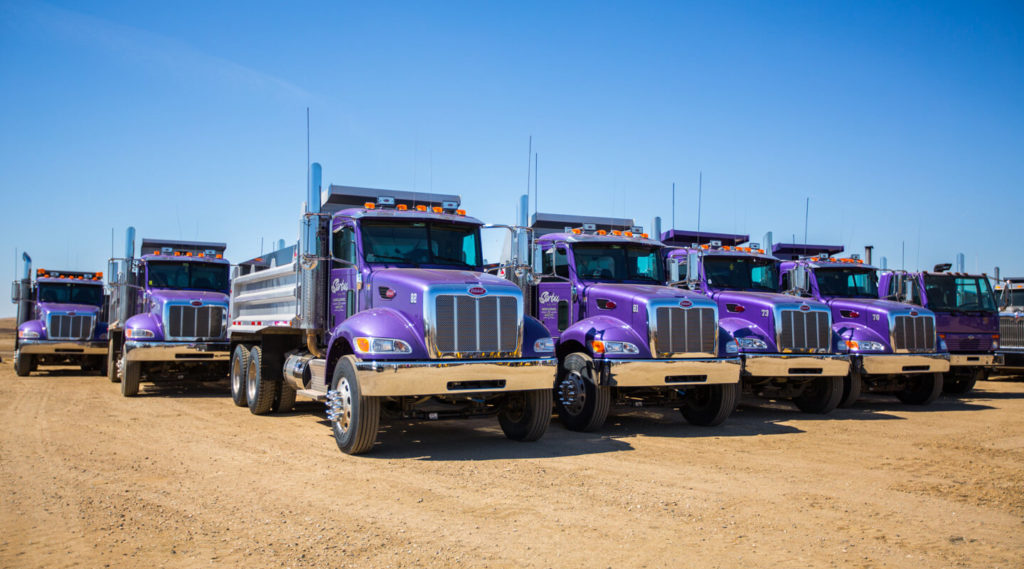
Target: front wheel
926,388
22,364
354,417
132,376
820,395
962,382
524,416
239,366
711,405
852,385
582,405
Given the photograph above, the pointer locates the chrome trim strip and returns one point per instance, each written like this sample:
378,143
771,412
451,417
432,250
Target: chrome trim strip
408,378
169,351
975,360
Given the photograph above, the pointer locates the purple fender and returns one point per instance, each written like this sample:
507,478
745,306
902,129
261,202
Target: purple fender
376,323
605,328
855,331
144,321
32,326
534,330
731,328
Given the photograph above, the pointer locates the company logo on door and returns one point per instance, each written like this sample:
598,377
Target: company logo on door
338,284
547,296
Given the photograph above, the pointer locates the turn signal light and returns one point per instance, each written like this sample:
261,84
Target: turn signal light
363,344
597,346
369,205
577,231
460,212
437,209
644,235
602,232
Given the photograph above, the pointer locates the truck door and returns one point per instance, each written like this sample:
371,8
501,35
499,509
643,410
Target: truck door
342,301
555,305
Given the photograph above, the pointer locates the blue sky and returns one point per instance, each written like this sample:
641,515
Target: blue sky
902,123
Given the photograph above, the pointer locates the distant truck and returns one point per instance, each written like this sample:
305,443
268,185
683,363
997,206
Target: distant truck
384,308
622,337
169,309
785,341
893,346
966,318
61,320
1010,296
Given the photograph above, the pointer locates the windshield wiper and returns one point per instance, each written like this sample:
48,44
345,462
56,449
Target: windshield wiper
388,258
450,260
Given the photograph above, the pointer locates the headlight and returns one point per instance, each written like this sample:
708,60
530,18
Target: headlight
864,345
544,346
601,347
382,346
751,344
942,345
730,347
27,334
139,333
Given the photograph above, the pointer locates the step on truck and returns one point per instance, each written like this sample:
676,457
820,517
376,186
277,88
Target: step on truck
966,318
383,307
622,337
1010,296
169,310
61,319
785,341
893,347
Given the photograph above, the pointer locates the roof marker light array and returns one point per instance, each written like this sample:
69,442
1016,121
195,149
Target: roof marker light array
387,202
69,275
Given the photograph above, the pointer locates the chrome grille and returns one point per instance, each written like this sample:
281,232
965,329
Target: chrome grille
802,331
476,325
980,343
685,330
914,334
1011,332
67,327
189,322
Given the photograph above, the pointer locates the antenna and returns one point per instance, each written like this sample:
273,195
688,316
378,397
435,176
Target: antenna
673,205
700,196
307,150
807,212
535,196
529,166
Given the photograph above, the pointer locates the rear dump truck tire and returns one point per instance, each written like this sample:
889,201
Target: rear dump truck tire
22,364
112,358
710,405
852,385
357,416
922,389
582,405
101,365
239,367
820,396
260,387
284,401
962,382
130,381
525,415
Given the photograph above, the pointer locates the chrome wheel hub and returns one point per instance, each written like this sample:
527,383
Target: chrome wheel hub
339,405
572,393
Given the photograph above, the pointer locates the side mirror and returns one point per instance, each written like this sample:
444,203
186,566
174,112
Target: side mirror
672,268
693,268
798,279
537,256
113,276
16,291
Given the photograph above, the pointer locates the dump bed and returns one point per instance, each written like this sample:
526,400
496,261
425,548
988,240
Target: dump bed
267,298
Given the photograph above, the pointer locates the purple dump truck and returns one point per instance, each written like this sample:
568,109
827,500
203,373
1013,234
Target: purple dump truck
893,347
621,336
966,317
1010,294
785,341
384,307
61,320
169,310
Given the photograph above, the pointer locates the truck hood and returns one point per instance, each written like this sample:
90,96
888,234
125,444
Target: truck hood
872,314
626,293
762,300
46,308
425,278
159,297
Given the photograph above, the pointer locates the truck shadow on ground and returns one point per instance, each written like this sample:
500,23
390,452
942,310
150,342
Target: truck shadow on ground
183,389
878,404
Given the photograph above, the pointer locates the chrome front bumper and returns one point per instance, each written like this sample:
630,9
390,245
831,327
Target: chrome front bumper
433,377
62,347
778,365
177,351
902,363
975,360
667,373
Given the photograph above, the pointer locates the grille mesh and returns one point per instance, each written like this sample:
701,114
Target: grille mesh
468,324
1011,332
66,327
680,330
980,343
804,331
185,322
916,334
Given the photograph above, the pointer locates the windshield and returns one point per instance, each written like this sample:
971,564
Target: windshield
421,243
741,273
847,282
187,275
1012,297
948,293
71,293
611,262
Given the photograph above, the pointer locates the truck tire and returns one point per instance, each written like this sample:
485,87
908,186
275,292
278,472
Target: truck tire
22,364
239,367
112,358
260,387
101,365
820,395
852,385
709,406
357,416
963,382
582,405
284,401
130,381
926,389
525,415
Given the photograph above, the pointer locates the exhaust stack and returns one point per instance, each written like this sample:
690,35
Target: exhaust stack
311,277
25,291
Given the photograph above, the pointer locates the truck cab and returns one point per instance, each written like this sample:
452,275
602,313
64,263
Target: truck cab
622,336
966,318
785,341
893,346
384,308
1010,297
61,319
169,309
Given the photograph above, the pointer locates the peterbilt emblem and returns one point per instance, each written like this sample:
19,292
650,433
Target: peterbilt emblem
913,313
804,307
547,296
71,314
338,284
197,303
685,303
478,291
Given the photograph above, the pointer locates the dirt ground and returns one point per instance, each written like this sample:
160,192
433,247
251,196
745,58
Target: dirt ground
180,477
